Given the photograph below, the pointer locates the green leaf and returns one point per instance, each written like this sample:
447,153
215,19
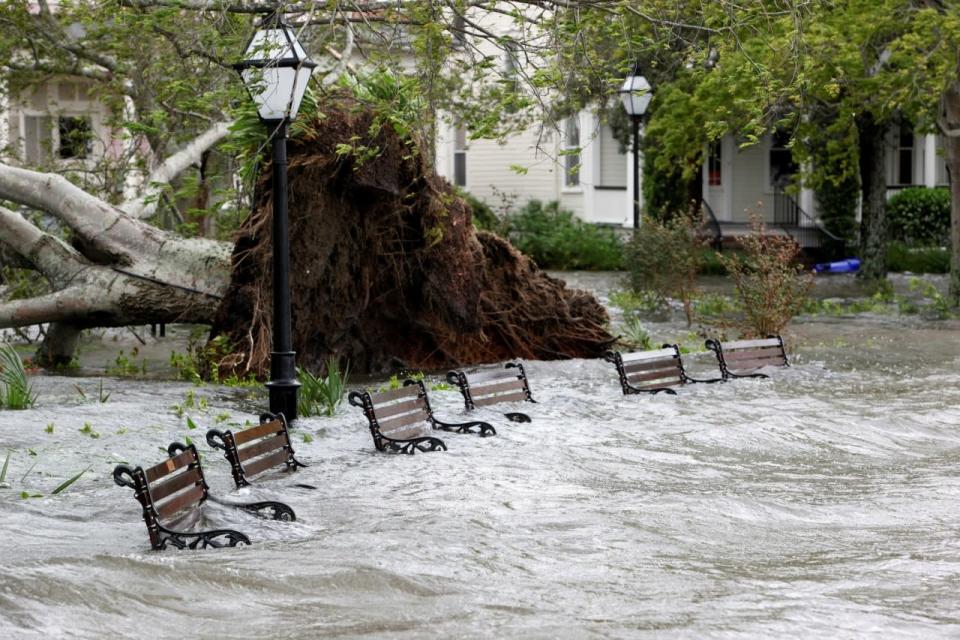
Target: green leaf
190,423
64,485
6,463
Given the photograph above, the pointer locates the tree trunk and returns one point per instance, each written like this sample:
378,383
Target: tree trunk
59,345
873,184
950,124
121,271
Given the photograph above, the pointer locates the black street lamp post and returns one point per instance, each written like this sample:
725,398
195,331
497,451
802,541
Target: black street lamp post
275,72
636,95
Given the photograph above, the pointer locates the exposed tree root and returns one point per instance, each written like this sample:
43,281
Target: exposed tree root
388,271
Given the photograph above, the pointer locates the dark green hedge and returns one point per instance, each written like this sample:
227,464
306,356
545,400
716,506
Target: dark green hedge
920,217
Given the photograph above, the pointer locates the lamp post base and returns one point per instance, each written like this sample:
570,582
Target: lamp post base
283,384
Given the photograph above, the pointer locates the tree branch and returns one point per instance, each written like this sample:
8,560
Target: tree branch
48,254
72,304
145,204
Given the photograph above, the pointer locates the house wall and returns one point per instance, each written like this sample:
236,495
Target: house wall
492,176
750,190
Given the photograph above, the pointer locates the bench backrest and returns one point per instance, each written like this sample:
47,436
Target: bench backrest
256,449
492,386
166,489
396,414
648,370
742,356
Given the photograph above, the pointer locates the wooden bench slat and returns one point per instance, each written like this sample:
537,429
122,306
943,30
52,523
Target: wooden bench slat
405,432
752,364
168,466
379,397
408,418
753,354
663,363
180,501
654,375
519,396
743,344
495,387
398,408
170,486
264,446
647,355
658,385
266,462
259,431
490,375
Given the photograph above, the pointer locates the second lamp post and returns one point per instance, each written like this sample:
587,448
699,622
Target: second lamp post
275,71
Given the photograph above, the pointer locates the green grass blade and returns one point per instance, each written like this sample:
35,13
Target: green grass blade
6,463
64,485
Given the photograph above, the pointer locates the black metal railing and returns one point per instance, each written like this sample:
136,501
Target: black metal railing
807,231
712,226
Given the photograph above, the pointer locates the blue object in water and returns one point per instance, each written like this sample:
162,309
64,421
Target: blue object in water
850,265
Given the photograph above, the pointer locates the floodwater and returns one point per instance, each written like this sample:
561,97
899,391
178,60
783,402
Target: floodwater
822,502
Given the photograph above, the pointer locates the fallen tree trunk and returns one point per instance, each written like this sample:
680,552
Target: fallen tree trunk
388,271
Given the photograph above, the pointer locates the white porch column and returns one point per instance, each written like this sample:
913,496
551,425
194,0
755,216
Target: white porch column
4,115
807,203
589,162
930,160
729,149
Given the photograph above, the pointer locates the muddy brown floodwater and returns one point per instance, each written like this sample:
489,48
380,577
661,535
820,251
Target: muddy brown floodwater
822,502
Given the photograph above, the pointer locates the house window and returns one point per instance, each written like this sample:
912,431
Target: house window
903,163
571,152
613,162
75,137
715,164
460,155
782,166
37,139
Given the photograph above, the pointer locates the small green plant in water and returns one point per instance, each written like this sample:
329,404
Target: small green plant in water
127,366
15,391
635,335
103,397
938,307
87,429
49,427
321,395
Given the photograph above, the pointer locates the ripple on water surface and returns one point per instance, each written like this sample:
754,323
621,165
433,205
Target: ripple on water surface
819,502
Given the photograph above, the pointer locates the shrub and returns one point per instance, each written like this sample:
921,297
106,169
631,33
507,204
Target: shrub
919,216
556,239
663,258
901,257
322,395
771,285
15,391
483,215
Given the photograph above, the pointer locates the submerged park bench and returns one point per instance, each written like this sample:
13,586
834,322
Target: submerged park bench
258,449
742,358
400,419
171,490
652,371
494,386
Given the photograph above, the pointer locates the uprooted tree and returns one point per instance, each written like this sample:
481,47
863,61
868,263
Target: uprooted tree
388,270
